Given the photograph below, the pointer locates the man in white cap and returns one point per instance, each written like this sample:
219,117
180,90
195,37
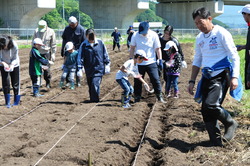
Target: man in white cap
75,33
48,50
116,38
246,15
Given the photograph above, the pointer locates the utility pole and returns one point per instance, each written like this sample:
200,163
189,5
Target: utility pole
63,11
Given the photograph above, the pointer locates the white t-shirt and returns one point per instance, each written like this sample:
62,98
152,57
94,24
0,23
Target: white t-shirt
148,44
215,46
130,67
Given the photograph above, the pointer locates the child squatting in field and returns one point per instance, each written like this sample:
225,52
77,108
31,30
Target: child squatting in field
130,67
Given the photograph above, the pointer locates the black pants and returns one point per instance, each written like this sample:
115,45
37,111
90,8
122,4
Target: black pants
116,43
214,91
153,73
46,73
15,80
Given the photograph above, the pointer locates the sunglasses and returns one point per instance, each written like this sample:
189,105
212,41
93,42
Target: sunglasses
243,13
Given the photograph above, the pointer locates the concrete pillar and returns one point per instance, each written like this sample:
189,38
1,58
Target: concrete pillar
113,13
24,13
179,15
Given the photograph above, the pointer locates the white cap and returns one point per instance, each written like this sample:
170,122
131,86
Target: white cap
69,46
245,9
42,25
38,41
170,44
115,28
72,20
141,53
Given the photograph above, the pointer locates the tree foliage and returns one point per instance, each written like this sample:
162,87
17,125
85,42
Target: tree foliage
149,15
71,8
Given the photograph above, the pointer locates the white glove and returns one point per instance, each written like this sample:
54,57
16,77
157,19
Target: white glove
146,87
107,69
183,64
62,67
53,57
79,73
51,62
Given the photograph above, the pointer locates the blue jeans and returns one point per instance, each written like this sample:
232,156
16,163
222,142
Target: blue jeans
126,86
153,73
172,79
94,87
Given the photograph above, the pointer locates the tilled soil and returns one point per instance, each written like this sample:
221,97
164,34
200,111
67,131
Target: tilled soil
63,129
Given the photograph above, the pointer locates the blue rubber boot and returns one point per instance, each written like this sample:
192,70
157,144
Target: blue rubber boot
7,100
16,100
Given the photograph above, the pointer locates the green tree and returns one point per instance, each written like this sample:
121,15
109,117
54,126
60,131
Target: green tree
71,8
149,15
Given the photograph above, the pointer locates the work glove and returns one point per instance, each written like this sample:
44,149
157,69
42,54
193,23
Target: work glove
184,64
53,57
107,68
160,64
146,87
51,62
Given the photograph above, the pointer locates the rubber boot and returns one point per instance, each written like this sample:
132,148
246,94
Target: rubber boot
7,100
137,99
229,123
213,130
72,86
61,85
36,91
160,98
16,100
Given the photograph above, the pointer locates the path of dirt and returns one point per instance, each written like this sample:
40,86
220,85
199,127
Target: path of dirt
61,129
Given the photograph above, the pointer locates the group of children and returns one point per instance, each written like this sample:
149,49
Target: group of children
39,63
129,68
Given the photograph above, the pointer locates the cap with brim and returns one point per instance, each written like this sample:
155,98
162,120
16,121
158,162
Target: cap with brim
142,54
143,28
72,20
245,9
42,25
170,44
69,46
38,41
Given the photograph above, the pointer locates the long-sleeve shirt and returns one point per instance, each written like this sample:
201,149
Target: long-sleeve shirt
36,62
93,58
215,46
49,40
10,56
76,36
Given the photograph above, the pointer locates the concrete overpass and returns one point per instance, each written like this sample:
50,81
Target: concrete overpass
107,14
179,12
24,13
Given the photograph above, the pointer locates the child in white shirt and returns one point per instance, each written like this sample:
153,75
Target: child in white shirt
130,67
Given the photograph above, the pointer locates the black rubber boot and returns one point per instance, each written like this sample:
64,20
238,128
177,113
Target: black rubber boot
213,130
229,123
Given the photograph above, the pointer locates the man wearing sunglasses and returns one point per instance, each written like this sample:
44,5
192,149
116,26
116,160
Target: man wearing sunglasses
246,15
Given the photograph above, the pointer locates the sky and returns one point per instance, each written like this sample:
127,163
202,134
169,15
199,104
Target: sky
231,17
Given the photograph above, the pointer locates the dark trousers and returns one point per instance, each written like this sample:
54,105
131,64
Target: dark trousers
94,87
214,91
15,80
36,80
46,73
152,71
116,43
